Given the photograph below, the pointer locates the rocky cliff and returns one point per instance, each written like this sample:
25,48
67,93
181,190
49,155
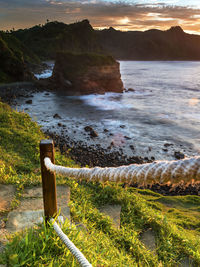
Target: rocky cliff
86,73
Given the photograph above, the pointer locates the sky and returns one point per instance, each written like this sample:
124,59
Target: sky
122,15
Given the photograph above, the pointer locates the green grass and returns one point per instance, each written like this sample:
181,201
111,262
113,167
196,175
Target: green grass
74,65
174,220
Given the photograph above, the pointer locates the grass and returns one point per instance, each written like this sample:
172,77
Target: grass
74,65
175,221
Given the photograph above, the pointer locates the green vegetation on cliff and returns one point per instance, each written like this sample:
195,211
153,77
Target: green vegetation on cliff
174,220
73,65
11,65
46,40
13,55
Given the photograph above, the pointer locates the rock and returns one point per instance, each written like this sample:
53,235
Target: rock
7,194
122,126
186,263
29,101
20,220
86,73
56,116
179,155
148,239
130,90
114,212
105,130
92,132
88,128
30,210
132,147
167,144
165,149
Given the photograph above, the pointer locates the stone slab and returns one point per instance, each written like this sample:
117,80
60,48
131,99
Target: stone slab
148,239
31,209
30,204
63,193
186,263
32,192
33,199
114,212
7,194
24,219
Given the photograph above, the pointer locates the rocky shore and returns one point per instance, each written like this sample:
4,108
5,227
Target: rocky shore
11,91
94,154
97,156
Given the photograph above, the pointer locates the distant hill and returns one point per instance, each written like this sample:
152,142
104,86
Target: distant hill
24,48
173,44
46,40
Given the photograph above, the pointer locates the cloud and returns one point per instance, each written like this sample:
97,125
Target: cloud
124,15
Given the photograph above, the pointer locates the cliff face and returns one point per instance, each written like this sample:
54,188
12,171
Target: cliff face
86,74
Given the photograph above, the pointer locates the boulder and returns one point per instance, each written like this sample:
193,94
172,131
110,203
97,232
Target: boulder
86,73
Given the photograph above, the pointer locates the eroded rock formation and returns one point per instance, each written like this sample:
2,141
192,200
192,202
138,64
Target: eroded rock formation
86,73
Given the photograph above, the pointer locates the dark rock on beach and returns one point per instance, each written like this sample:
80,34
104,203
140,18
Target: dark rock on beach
179,155
56,116
93,155
92,132
10,91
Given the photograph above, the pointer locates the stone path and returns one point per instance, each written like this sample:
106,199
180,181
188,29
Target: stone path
7,195
30,212
149,240
114,212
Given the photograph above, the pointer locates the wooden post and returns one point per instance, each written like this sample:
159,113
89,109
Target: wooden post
48,180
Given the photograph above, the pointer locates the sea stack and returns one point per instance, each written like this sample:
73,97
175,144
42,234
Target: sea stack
86,73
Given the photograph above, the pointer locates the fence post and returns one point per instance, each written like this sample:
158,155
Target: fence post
48,180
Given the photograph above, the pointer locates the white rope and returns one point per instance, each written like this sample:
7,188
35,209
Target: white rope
161,171
74,250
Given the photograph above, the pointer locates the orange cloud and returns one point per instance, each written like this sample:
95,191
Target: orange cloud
121,15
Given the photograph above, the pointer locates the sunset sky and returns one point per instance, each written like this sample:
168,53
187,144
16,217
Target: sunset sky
123,15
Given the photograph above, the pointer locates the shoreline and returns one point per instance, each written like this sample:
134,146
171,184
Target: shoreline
87,154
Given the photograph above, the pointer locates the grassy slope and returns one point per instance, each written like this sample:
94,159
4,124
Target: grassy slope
13,54
175,220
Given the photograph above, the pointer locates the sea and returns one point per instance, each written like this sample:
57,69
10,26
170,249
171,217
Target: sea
158,116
